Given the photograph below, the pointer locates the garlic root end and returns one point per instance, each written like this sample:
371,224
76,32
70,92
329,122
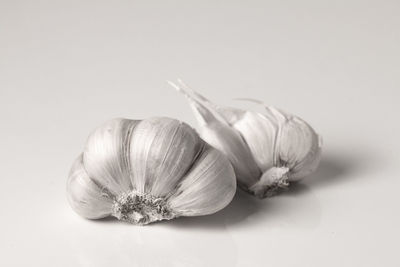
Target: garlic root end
141,208
271,183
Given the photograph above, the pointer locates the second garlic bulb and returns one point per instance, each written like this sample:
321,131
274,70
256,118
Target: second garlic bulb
149,170
268,150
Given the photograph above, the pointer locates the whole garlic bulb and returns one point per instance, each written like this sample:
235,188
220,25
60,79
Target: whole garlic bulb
268,150
141,171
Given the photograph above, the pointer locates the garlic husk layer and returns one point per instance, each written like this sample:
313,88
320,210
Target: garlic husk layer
149,170
267,149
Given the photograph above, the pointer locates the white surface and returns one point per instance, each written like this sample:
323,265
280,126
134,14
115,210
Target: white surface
67,66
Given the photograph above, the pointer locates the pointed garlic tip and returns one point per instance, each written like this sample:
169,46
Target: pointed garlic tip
146,171
268,149
203,113
177,88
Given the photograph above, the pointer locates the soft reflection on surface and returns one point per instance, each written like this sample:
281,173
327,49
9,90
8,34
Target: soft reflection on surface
285,210
112,243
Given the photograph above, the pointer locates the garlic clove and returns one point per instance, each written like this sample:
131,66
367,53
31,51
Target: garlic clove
218,133
86,197
231,144
260,134
297,140
105,155
310,163
207,188
161,152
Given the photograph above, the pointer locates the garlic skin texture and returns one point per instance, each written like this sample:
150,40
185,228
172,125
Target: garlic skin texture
268,149
142,171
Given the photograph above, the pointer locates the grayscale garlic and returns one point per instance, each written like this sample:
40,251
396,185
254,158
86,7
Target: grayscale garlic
141,171
267,149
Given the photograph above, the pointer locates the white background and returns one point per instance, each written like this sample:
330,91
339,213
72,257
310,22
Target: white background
68,66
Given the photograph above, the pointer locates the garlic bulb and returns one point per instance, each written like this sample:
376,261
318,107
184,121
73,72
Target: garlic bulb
149,170
268,150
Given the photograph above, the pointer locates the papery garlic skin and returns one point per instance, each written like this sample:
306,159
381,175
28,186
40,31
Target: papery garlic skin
149,170
268,149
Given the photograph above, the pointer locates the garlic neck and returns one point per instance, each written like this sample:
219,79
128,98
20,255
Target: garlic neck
141,208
